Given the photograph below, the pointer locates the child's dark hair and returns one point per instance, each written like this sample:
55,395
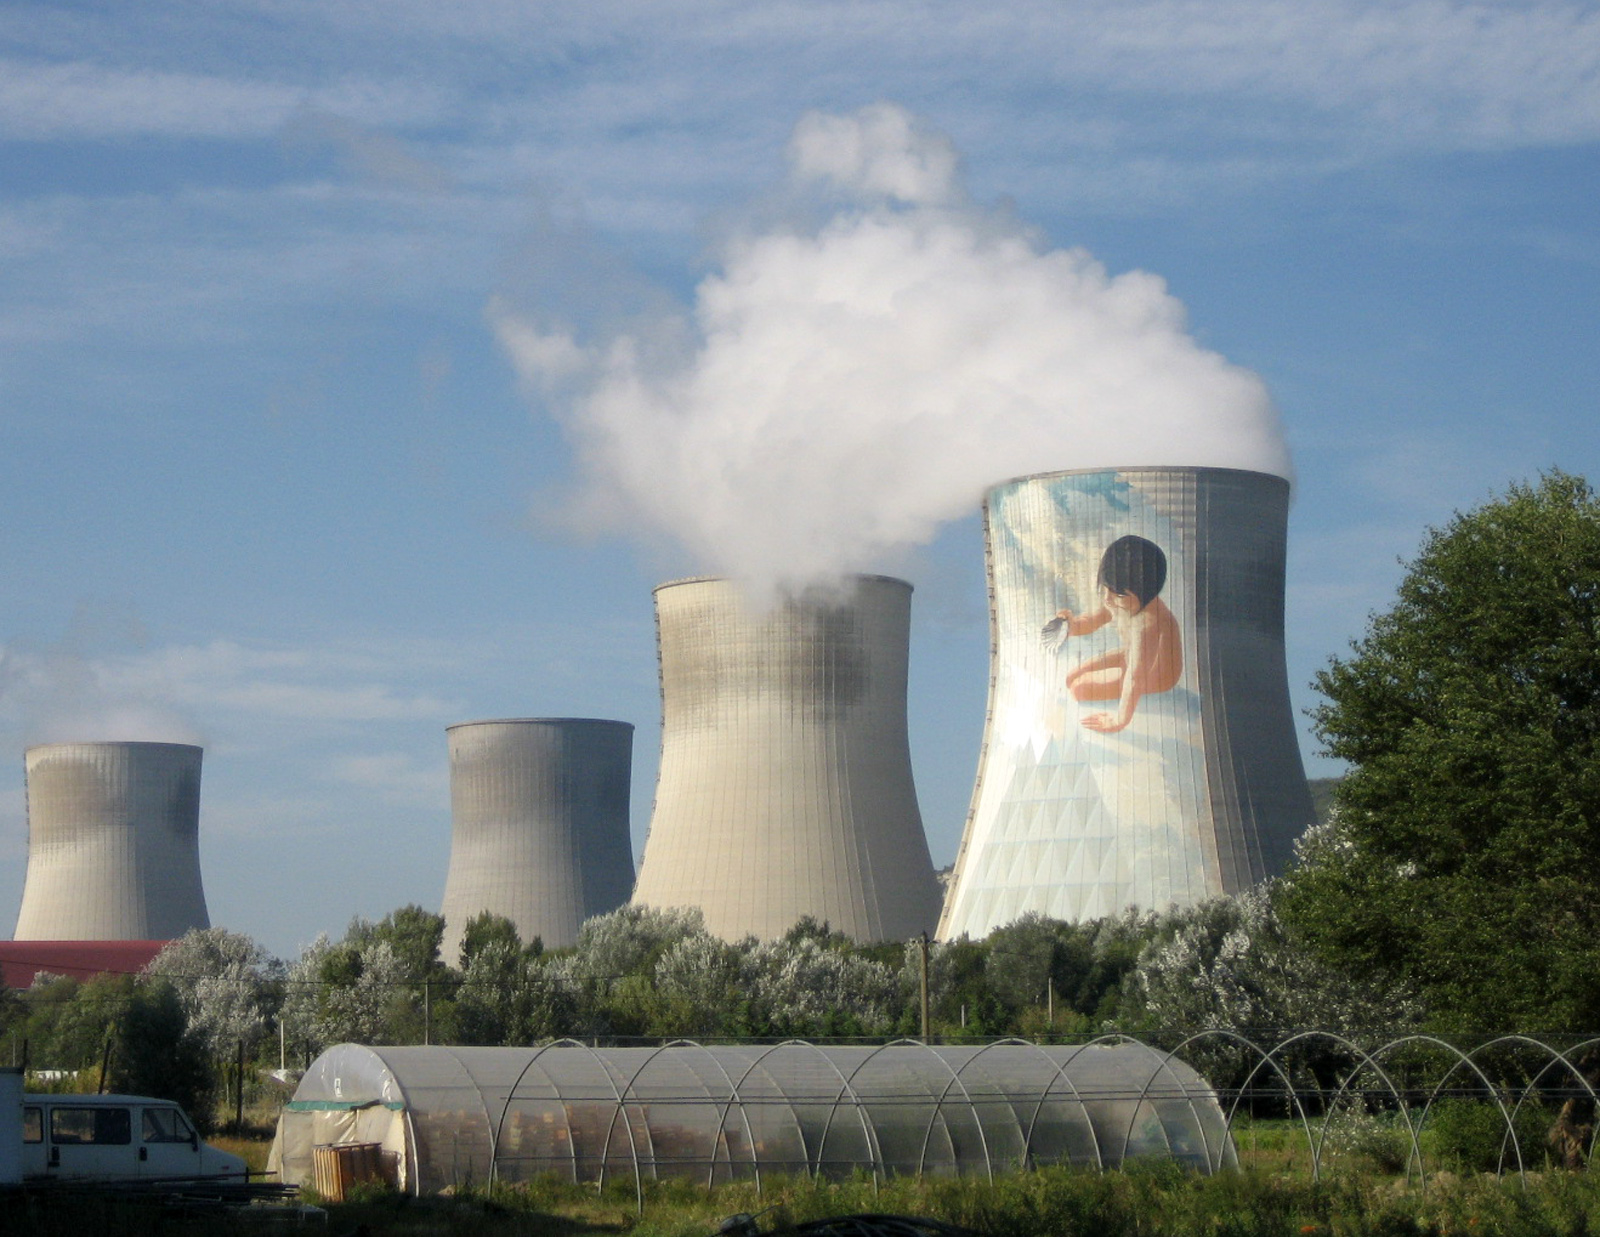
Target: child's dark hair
1134,565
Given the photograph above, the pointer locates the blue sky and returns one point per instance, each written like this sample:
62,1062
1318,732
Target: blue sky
274,481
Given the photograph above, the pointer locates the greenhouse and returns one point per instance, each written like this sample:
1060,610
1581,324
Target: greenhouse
446,1116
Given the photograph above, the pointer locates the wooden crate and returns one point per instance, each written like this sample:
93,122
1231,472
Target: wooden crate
336,1167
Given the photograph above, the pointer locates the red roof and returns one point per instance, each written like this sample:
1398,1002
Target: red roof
20,961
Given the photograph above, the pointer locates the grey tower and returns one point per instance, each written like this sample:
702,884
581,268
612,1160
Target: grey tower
1140,751
785,786
113,843
540,825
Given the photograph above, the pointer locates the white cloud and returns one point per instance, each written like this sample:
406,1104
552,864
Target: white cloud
881,151
844,390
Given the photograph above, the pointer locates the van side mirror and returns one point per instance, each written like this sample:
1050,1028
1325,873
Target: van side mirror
194,1141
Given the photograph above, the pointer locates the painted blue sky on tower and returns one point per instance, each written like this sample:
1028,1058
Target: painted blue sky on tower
279,480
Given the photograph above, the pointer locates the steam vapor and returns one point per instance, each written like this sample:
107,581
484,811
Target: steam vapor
61,694
841,389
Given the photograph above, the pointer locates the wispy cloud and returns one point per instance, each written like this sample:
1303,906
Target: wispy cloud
1471,73
397,777
179,693
79,100
440,121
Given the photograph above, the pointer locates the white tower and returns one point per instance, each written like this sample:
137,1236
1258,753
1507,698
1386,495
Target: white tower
785,787
113,843
1141,752
540,825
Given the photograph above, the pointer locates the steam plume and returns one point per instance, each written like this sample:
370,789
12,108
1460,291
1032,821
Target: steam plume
841,389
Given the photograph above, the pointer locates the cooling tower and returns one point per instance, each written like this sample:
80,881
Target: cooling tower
1141,750
113,843
540,825
785,785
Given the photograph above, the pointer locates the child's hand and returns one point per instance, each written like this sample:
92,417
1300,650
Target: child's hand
1105,723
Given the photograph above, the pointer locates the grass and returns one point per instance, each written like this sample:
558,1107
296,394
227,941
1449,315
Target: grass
1155,1200
1270,1195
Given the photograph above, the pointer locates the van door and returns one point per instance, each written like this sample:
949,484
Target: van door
90,1141
168,1145
32,1140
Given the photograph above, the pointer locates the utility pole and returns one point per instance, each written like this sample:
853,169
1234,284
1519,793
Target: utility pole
924,987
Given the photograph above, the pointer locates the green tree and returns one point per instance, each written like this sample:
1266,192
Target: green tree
134,1026
1463,859
485,930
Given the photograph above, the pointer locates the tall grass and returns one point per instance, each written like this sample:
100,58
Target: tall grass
1144,1200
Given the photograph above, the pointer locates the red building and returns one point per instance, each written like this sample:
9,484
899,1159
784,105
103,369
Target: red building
21,961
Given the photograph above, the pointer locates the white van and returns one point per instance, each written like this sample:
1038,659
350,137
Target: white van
116,1138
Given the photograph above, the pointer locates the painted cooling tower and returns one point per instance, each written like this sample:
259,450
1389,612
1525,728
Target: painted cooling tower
785,785
540,825
113,843
1134,755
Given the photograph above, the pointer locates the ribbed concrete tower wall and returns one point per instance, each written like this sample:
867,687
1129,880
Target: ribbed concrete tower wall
113,842
785,785
539,810
1202,792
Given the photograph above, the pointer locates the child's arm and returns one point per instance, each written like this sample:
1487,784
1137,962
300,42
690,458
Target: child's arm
1083,624
1135,652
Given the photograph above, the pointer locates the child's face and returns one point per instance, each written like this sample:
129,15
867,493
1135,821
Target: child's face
1125,603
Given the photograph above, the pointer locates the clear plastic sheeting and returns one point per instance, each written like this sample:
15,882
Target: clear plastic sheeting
727,1112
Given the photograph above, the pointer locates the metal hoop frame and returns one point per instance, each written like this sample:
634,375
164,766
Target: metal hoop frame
721,1080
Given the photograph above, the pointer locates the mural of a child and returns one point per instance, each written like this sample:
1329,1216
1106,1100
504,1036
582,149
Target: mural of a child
1150,659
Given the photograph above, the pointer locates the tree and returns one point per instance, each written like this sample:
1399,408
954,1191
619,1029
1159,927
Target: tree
508,995
1463,860
611,969
134,1026
487,930
229,985
804,987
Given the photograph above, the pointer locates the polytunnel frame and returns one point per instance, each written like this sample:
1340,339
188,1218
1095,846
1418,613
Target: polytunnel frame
622,1111
938,1109
814,1162
1468,1059
868,1128
1265,1058
511,1095
876,1143
1027,1132
1374,1059
1376,1062
625,1096
1562,1058
1166,1059
722,1122
1061,1073
1462,1059
413,1161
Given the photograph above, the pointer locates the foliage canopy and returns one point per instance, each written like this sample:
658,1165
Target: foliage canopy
1464,856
